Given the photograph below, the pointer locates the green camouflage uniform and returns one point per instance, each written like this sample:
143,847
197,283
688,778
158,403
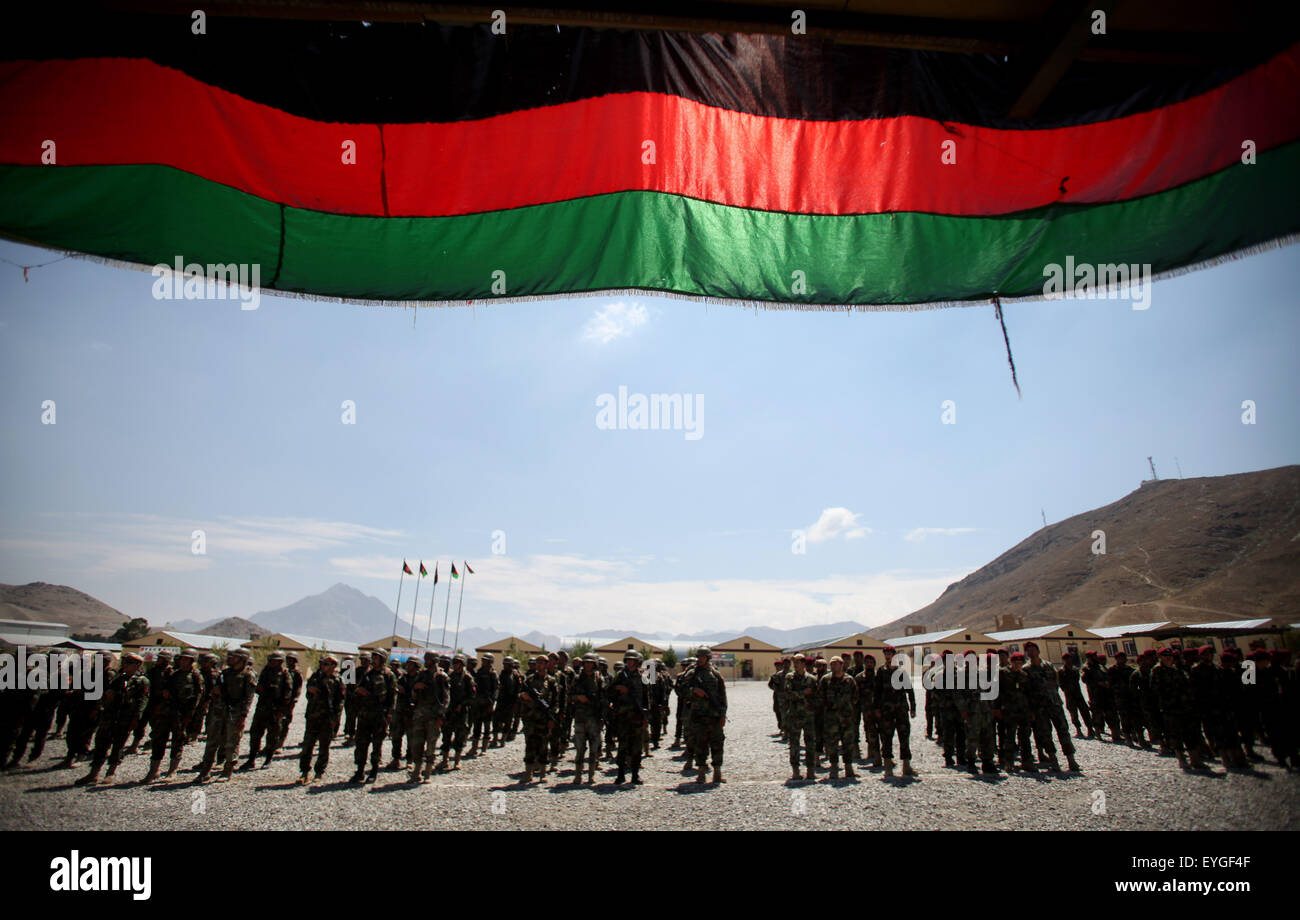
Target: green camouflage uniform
839,696
798,715
123,708
231,699
431,694
707,713
376,692
535,718
1015,705
324,709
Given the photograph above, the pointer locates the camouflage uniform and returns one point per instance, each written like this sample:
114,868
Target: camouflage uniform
683,710
839,696
376,693
586,721
798,717
486,687
455,727
403,709
537,706
866,681
775,683
1074,701
977,714
295,688
1120,679
231,699
274,687
431,694
631,700
208,672
1014,702
324,709
708,711
1173,693
123,708
1140,686
557,742
1045,704
507,704
1097,680
172,713
156,676
896,706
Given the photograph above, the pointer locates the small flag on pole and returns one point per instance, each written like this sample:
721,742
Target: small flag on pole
423,570
468,569
406,568
435,573
454,573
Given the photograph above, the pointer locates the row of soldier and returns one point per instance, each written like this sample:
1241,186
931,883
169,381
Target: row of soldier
416,705
1185,703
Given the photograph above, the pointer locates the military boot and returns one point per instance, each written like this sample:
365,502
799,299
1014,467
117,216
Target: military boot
110,777
248,764
835,771
947,760
395,763
304,779
591,773
456,763
174,765
794,772
1197,762
65,763
989,768
90,778
907,768
1182,760
373,774
577,770
154,767
636,776
717,775
1053,764
205,773
1072,764
889,767
228,770
359,776
473,749
848,771
703,776
442,764
541,773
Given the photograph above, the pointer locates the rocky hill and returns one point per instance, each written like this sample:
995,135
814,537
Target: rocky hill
1191,550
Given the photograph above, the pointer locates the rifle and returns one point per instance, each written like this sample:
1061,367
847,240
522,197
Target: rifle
536,699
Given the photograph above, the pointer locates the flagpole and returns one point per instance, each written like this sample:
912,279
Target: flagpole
415,603
400,579
433,595
444,616
460,603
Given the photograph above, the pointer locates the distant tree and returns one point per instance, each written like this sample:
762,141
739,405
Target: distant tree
670,658
261,650
580,648
646,654
131,629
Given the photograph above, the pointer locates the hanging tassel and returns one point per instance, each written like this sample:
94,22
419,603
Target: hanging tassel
997,308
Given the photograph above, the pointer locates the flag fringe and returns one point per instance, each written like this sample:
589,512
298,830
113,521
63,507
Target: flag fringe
1096,293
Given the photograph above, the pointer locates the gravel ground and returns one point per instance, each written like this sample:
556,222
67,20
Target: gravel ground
1141,791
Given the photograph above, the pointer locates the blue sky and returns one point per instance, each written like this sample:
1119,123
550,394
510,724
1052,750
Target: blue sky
179,415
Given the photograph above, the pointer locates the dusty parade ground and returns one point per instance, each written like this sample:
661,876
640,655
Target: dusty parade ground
1120,788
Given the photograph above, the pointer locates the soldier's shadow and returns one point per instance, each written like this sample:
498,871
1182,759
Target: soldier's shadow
900,782
62,787
263,787
336,786
693,787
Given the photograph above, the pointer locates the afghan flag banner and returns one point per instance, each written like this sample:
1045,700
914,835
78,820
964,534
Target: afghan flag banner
468,570
435,573
406,568
423,570
454,573
380,162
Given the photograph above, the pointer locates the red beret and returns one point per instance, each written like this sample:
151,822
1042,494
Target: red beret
1018,656
1029,643
889,648
1260,654
1164,650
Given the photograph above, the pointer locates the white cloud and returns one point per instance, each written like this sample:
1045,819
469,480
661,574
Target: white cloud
836,522
111,544
614,321
547,593
918,534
